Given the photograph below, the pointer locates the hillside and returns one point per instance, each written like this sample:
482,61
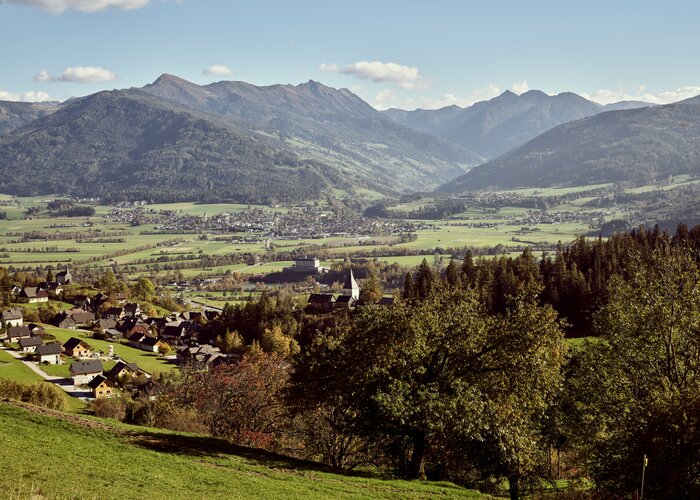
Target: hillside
14,115
641,146
133,144
491,128
48,454
332,126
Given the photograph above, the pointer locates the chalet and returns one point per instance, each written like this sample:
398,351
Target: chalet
321,302
152,344
174,332
123,369
36,329
115,313
33,294
97,300
135,340
84,371
139,328
120,298
49,353
83,302
12,317
132,309
30,344
64,277
73,318
77,348
103,325
113,334
101,387
14,333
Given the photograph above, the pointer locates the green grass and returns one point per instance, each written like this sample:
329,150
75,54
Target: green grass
88,459
14,369
146,360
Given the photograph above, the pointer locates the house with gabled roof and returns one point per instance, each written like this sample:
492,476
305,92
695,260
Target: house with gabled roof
14,333
152,344
83,372
30,344
12,317
33,294
49,353
101,387
77,348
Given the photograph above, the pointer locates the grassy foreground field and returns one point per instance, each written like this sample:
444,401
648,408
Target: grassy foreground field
51,455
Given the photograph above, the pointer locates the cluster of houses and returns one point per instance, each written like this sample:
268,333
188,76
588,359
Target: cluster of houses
45,289
85,370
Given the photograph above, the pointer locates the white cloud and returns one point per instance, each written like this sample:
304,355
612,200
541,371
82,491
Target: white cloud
31,96
406,77
79,74
42,76
520,87
607,96
384,99
218,70
330,68
58,6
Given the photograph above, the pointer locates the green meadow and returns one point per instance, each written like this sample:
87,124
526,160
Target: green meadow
53,456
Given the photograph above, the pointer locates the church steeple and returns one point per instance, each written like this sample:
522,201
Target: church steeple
351,287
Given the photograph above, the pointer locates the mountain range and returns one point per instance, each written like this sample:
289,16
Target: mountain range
227,140
640,146
492,128
175,140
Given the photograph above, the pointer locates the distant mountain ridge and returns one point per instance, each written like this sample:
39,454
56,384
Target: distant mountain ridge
494,127
641,146
14,115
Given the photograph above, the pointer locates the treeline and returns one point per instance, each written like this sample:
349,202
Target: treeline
574,279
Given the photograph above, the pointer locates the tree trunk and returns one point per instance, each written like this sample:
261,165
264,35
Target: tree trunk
416,467
514,487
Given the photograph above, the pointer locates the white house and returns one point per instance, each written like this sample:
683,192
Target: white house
12,317
84,371
49,353
30,344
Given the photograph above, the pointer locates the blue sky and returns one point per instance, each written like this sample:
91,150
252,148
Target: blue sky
392,53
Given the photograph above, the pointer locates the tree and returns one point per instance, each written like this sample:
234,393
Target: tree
639,391
443,371
144,289
371,290
275,341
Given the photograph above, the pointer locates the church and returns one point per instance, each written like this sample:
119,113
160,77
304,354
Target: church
349,295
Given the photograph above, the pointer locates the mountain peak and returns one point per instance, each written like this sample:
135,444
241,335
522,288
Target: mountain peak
167,78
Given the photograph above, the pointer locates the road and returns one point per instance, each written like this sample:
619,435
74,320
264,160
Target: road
64,383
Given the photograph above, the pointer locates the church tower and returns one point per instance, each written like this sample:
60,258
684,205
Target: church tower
351,287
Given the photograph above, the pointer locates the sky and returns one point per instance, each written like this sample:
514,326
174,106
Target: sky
406,54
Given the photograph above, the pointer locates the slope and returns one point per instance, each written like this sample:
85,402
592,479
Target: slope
52,455
131,144
640,146
328,125
14,115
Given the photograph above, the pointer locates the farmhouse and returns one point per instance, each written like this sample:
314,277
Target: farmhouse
14,333
77,348
33,294
115,313
152,344
101,387
30,344
49,353
132,309
84,371
12,317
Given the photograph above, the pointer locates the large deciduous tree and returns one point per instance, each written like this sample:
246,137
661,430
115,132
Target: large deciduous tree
639,391
443,372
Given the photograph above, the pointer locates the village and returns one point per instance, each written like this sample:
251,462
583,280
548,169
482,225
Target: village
100,335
